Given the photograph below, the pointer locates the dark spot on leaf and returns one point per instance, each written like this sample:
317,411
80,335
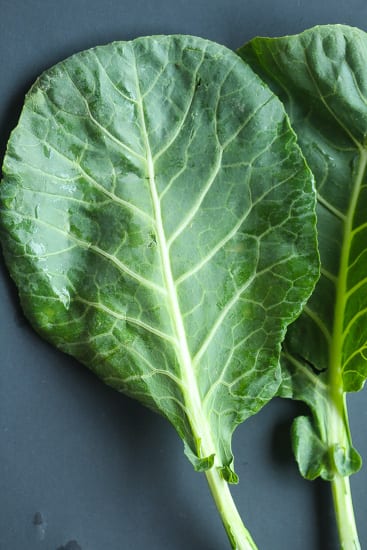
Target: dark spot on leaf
152,240
314,369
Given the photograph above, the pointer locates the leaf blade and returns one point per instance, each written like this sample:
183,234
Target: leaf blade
319,77
138,222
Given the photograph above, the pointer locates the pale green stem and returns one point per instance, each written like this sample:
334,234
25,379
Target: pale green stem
338,432
238,535
345,520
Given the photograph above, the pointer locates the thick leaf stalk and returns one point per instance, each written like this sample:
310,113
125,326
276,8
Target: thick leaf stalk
344,512
342,461
238,535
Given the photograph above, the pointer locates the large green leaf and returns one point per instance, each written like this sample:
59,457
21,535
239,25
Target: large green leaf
321,77
158,219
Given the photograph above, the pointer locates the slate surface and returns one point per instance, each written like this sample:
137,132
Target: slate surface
81,467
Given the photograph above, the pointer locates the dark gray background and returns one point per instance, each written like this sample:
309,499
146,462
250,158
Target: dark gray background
98,467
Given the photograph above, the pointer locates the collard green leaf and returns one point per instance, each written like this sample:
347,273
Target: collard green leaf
321,77
158,219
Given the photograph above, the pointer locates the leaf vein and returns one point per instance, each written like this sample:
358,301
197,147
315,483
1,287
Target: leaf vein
132,320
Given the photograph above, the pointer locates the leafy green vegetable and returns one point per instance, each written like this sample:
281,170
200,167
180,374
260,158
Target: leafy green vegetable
321,77
158,219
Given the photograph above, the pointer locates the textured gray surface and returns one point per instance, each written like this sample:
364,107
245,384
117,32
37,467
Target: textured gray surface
80,465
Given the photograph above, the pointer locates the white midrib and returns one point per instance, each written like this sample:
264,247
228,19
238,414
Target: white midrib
193,402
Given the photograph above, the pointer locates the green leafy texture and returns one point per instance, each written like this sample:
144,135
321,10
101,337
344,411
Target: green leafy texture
321,77
158,219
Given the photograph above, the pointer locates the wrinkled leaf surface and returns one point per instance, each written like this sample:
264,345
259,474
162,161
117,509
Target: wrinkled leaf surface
158,219
321,77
